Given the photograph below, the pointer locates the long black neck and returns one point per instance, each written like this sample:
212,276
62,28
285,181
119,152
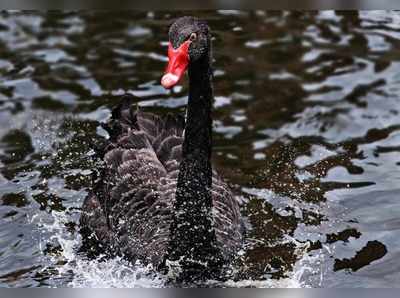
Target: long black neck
192,237
198,130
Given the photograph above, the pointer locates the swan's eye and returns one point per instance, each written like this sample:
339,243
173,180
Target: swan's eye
193,36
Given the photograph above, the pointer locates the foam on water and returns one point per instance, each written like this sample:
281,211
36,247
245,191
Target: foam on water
75,270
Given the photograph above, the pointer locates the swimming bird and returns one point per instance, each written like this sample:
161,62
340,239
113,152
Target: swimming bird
158,199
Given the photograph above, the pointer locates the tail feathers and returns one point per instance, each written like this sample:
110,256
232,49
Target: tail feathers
123,118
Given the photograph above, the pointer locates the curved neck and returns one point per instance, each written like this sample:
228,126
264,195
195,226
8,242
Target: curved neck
193,239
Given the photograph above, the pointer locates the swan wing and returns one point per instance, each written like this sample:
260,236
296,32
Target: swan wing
130,209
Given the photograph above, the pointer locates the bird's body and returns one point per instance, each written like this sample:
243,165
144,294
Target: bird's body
158,200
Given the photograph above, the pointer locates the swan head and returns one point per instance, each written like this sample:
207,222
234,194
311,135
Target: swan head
189,41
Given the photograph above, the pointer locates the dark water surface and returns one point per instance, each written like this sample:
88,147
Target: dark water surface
307,132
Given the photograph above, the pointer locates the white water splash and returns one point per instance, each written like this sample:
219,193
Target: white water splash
78,271
75,270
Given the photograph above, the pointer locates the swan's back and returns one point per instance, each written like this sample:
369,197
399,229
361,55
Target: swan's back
130,210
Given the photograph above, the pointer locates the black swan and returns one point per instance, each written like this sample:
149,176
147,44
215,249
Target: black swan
158,199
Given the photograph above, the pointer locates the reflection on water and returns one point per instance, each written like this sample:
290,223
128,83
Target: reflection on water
307,132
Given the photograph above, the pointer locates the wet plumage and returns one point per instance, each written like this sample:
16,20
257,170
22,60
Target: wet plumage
130,210
158,199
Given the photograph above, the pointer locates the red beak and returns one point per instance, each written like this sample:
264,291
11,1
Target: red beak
178,61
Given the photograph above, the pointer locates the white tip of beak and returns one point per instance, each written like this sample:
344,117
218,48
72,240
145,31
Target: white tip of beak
169,80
